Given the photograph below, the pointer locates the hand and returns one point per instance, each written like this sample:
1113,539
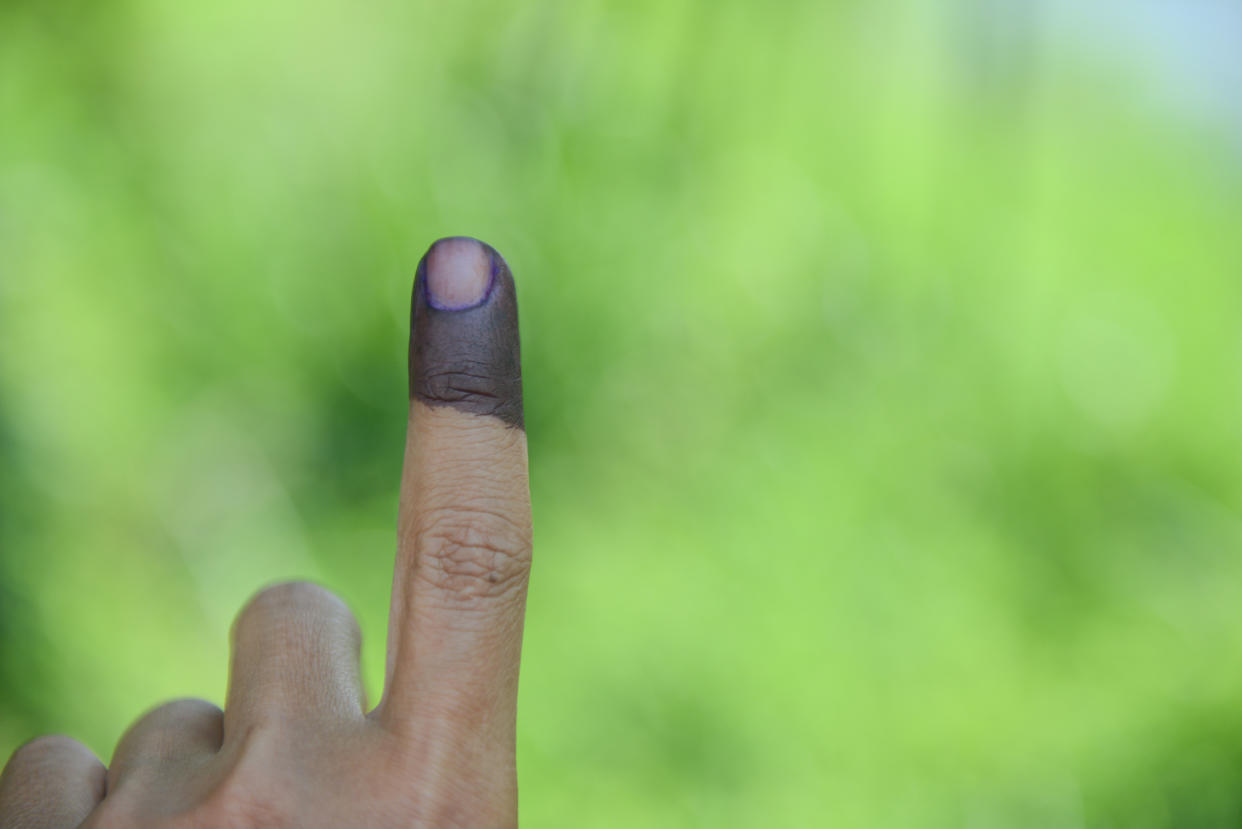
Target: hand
294,745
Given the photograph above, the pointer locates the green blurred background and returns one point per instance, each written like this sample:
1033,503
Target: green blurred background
882,363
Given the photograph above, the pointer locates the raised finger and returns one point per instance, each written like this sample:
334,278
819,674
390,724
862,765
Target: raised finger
464,539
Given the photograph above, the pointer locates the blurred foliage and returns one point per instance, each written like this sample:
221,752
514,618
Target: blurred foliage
882,368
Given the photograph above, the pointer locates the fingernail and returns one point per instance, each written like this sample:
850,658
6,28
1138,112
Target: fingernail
460,271
464,344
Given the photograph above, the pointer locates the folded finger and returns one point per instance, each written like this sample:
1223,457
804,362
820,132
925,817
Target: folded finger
50,783
167,745
295,658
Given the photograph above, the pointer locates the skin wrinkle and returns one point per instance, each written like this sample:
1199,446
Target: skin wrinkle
468,358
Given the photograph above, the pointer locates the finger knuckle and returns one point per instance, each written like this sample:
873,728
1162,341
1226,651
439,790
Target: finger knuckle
472,554
461,384
288,595
186,708
285,602
178,716
45,749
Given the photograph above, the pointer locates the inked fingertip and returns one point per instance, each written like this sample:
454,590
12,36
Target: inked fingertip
464,343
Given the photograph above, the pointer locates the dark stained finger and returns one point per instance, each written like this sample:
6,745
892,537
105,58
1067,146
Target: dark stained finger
464,332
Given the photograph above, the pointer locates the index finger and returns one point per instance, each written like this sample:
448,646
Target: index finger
464,537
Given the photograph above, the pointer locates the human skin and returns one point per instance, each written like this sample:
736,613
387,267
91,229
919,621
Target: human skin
295,745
